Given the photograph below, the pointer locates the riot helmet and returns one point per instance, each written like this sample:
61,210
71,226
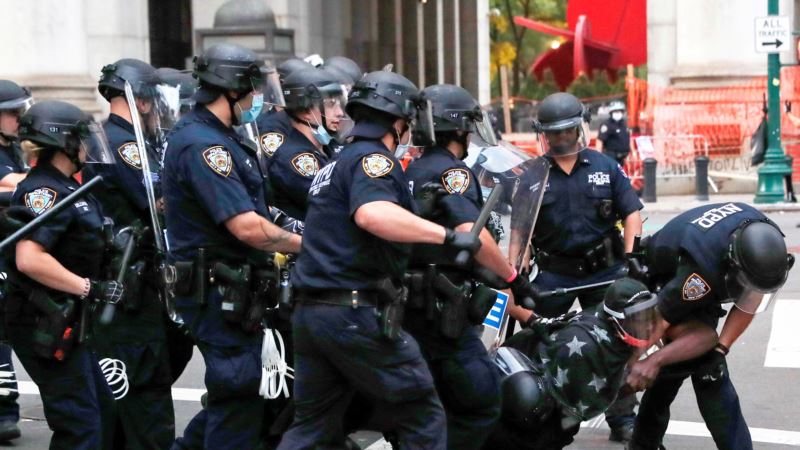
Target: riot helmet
392,95
456,113
175,91
558,115
14,100
225,68
318,92
346,65
141,76
61,126
616,110
757,263
632,307
291,65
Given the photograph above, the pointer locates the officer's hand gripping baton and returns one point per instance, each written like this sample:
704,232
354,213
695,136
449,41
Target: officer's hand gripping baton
109,309
463,256
34,224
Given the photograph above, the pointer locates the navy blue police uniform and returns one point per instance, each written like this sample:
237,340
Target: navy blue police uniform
466,381
136,336
616,139
77,400
210,177
290,169
338,342
575,233
273,129
10,162
576,228
686,257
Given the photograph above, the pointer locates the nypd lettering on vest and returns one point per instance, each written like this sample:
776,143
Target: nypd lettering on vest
599,178
322,179
714,215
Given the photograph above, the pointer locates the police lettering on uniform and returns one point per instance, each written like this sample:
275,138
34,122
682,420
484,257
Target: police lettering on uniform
14,101
575,239
136,335
219,231
569,369
59,277
450,338
347,323
706,256
614,138
315,103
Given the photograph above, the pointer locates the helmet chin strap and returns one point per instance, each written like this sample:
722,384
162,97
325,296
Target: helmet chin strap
231,103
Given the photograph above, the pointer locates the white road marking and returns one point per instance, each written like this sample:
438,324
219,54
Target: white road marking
181,394
783,349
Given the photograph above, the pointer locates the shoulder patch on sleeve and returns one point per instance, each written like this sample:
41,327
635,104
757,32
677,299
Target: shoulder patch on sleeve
270,142
376,165
218,159
40,200
306,164
129,152
456,181
695,288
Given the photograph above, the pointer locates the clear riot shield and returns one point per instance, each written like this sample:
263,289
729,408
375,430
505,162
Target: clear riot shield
523,179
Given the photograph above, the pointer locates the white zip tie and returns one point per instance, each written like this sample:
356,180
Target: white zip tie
116,376
274,369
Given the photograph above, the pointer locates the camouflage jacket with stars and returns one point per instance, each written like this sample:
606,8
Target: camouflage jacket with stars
585,361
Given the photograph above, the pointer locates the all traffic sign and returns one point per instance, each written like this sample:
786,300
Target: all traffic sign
773,34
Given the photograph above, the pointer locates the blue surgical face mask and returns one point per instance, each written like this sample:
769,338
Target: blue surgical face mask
255,109
321,135
401,149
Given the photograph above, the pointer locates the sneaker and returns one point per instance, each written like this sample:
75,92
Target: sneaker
9,430
621,433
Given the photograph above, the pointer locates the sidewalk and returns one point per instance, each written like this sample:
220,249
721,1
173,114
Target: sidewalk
680,203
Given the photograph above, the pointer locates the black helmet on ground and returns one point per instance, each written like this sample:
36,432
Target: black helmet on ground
292,65
345,65
14,97
227,67
140,75
758,261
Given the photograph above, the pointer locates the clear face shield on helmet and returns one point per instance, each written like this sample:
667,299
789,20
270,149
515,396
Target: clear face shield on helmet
561,138
273,93
94,143
748,297
18,106
499,164
637,322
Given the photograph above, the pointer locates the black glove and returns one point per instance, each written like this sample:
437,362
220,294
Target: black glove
427,198
712,368
461,240
525,293
552,324
109,292
14,218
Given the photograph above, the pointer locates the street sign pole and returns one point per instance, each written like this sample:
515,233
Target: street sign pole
772,174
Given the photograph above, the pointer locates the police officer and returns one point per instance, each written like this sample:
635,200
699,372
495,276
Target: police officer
570,368
136,335
614,138
59,273
14,101
450,342
348,278
575,238
219,233
703,257
315,103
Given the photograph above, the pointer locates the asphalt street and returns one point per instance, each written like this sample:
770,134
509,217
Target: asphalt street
764,363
